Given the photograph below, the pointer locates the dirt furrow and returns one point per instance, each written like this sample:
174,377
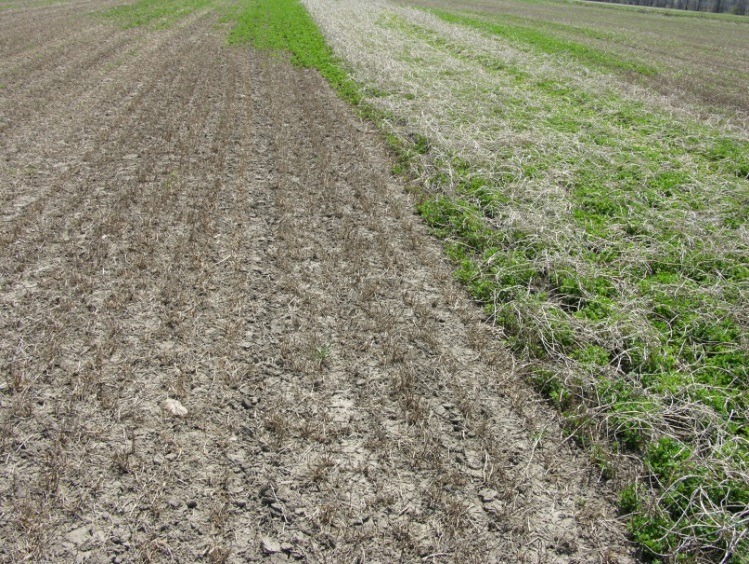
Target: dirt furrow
405,436
103,245
22,28
72,147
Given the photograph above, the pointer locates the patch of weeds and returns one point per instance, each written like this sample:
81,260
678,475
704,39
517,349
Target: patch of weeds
551,385
694,349
729,156
454,217
683,479
602,459
322,356
647,521
738,216
591,355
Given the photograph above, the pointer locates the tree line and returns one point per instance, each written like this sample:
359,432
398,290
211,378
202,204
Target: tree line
739,7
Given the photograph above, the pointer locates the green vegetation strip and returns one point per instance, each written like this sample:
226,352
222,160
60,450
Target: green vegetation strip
633,310
543,40
285,26
156,13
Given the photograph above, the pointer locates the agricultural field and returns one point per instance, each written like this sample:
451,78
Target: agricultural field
224,333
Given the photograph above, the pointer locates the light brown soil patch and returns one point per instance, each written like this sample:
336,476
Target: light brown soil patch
183,220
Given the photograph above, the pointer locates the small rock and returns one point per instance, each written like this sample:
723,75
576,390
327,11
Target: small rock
121,536
270,546
419,531
174,407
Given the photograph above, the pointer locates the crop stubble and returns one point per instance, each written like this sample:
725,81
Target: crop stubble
185,220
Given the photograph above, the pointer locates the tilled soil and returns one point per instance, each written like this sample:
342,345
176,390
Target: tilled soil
184,220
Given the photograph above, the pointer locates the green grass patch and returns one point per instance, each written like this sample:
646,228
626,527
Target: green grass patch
284,26
159,14
545,41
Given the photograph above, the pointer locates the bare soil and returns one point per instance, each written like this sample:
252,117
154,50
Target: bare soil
184,220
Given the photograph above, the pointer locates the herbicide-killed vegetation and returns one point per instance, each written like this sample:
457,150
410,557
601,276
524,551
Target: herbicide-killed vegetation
602,224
